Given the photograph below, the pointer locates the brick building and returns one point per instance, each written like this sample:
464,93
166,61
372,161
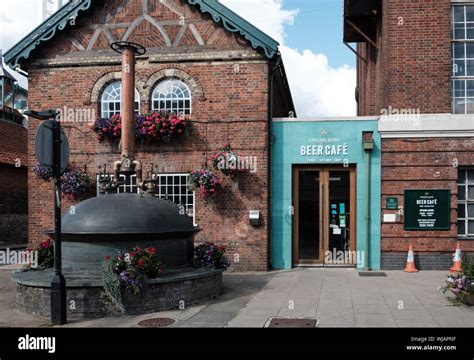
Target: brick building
415,69
13,162
229,77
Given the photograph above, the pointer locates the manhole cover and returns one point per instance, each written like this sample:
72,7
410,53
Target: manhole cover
292,323
156,323
371,273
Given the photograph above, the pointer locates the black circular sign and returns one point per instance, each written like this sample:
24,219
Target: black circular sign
44,146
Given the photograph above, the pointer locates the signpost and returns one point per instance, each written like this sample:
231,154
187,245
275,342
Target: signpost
44,149
427,210
52,151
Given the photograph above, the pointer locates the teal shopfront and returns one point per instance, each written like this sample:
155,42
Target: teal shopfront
326,193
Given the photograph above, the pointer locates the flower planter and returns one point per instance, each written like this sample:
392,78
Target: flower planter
465,297
156,127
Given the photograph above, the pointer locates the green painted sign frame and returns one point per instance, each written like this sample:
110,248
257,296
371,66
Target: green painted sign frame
431,207
392,203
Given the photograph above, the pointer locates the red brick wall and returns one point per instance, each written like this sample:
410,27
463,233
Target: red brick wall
233,108
413,63
412,70
423,164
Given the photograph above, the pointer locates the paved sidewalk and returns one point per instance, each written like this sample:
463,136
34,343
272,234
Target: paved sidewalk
336,297
340,298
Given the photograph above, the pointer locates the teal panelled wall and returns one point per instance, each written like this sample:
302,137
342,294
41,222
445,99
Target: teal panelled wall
341,142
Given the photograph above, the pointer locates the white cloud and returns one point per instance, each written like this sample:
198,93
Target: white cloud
318,89
17,21
268,15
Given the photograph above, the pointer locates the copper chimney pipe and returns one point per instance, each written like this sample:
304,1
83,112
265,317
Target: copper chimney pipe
129,51
127,108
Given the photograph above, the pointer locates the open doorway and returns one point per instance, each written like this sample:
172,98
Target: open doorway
324,218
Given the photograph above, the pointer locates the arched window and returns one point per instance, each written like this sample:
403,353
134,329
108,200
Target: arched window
111,97
171,95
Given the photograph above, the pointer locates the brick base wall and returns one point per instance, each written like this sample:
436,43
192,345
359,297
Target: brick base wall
424,261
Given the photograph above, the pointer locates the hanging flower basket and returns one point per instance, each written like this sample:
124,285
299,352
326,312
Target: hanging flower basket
156,127
226,160
206,183
74,182
107,129
43,172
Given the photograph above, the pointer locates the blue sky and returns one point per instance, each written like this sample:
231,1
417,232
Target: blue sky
318,26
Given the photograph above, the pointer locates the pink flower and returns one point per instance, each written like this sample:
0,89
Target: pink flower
45,244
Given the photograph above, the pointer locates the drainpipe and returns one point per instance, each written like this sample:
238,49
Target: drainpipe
269,157
368,145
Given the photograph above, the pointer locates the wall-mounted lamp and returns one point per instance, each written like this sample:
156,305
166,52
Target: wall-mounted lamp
368,140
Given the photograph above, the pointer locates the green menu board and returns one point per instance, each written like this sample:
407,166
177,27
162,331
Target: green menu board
427,209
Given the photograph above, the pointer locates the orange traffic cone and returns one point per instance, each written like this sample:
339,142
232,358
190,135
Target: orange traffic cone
457,260
410,262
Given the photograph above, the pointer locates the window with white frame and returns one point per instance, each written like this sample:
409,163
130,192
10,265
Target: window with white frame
463,59
172,95
111,98
466,202
172,187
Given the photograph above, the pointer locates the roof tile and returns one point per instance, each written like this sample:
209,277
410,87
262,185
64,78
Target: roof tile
13,143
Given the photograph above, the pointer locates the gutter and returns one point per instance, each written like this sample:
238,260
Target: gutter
269,156
368,213
45,31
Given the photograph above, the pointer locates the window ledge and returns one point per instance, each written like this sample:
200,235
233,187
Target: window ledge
465,238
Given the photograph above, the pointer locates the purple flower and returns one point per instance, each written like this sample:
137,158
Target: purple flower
43,172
